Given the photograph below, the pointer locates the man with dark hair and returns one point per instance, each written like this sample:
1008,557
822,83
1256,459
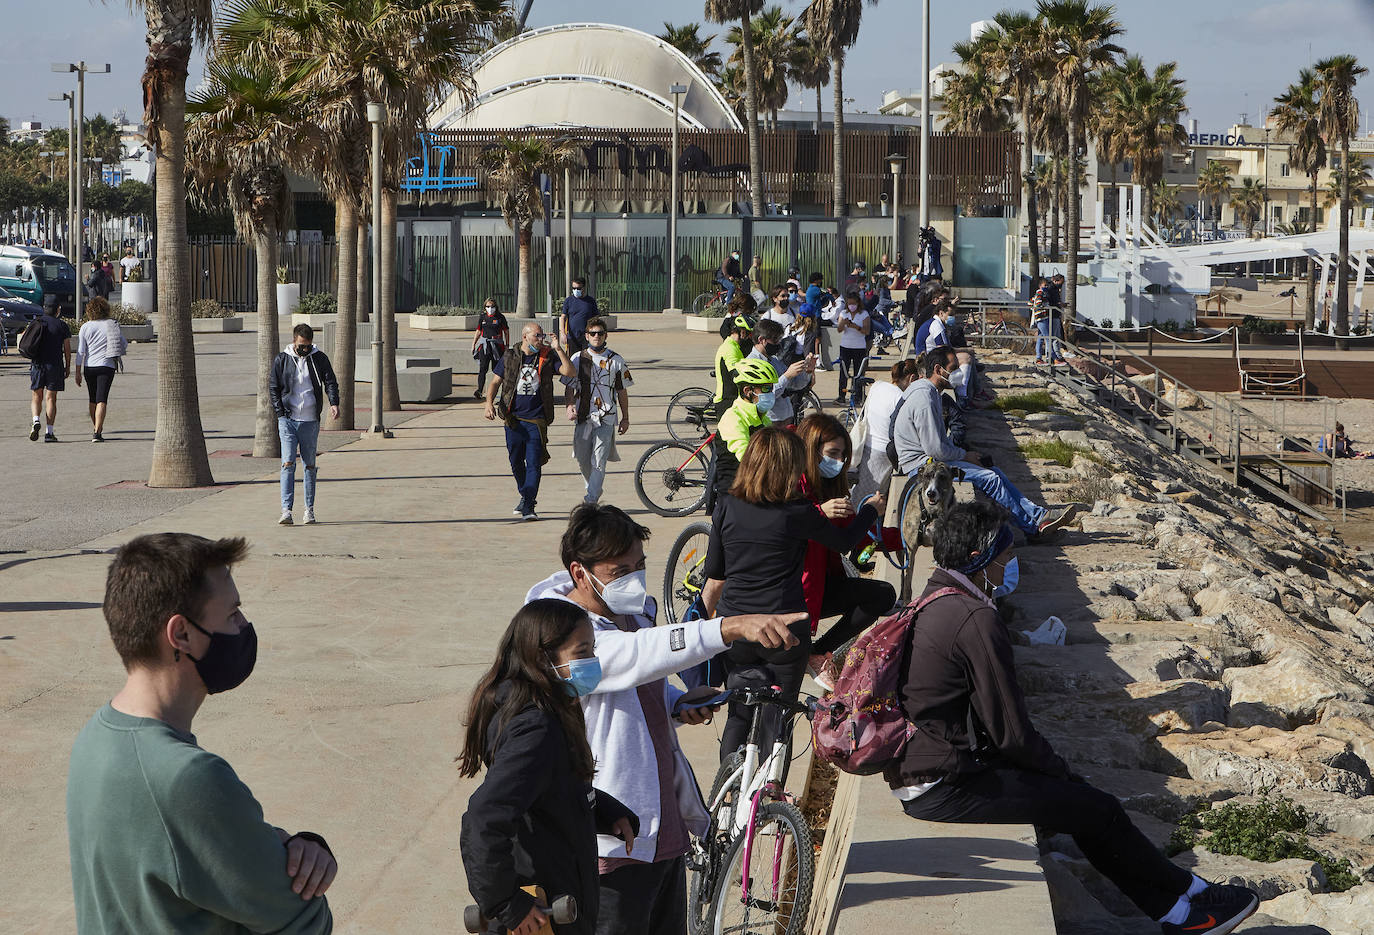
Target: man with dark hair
978,758
301,380
632,712
48,369
164,837
577,310
598,401
792,379
918,432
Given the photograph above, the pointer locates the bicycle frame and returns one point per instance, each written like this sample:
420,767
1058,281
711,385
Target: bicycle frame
709,438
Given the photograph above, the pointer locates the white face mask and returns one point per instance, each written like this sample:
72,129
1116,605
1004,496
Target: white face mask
625,595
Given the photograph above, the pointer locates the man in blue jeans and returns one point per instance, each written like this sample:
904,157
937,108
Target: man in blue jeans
524,377
918,433
301,380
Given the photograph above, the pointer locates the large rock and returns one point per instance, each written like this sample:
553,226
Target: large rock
1258,758
1268,880
1167,798
1348,913
1291,689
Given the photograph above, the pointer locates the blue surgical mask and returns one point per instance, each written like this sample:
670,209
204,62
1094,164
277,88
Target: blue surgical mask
765,401
831,467
1011,576
577,293
583,676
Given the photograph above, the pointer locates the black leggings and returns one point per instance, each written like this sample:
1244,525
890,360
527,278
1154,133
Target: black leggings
1095,819
861,601
751,665
98,380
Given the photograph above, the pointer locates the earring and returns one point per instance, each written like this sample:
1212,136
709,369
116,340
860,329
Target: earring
176,655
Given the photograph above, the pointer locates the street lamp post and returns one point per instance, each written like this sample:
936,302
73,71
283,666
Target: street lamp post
71,176
677,91
894,162
925,114
81,68
374,117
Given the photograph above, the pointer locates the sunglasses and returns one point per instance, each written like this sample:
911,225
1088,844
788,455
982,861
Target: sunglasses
596,334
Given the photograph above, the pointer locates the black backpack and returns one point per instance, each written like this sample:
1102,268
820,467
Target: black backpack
31,339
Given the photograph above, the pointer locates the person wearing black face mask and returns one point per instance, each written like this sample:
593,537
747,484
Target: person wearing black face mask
792,379
164,836
301,379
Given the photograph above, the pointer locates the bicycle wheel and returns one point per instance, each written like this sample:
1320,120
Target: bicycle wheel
700,302
684,576
671,479
771,895
807,404
848,416
687,417
1020,340
702,888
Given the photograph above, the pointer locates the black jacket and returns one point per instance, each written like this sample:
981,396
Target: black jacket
533,822
959,658
284,373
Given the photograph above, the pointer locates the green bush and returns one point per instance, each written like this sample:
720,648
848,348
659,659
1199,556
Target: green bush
127,314
1060,452
317,303
1269,830
209,308
445,311
1251,324
1039,401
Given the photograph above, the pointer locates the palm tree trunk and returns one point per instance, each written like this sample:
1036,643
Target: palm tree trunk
522,299
364,272
386,315
837,132
1311,314
1028,175
1343,251
818,109
1057,184
751,115
266,441
179,456
1071,222
346,332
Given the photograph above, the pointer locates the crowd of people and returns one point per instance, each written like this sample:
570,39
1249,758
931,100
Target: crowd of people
584,788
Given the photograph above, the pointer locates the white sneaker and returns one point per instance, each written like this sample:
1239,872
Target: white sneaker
309,516
285,518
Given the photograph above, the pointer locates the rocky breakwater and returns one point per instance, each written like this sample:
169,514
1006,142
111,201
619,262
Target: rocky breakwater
1218,671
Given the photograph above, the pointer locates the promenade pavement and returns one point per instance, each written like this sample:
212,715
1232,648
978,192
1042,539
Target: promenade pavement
374,625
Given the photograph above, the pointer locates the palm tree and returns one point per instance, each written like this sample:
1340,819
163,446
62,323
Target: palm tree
1352,177
1214,184
775,43
244,123
730,84
1017,54
834,25
810,68
974,98
1339,115
727,11
179,455
1107,127
1164,202
688,40
1247,202
1297,115
1147,106
513,166
1078,45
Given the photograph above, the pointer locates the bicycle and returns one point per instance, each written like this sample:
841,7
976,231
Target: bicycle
715,296
753,870
691,410
853,409
684,576
1009,332
680,470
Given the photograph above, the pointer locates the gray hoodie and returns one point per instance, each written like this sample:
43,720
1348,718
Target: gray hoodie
918,428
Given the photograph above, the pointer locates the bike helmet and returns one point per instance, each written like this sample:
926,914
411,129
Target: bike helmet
745,322
755,372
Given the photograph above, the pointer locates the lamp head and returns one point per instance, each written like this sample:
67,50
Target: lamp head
63,67
895,161
678,89
374,113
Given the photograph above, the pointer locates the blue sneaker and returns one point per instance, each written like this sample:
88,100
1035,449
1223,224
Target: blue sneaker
1216,911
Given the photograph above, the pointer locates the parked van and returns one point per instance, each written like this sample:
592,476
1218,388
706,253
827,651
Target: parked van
39,275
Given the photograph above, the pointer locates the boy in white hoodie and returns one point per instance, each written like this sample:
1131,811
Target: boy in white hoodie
631,715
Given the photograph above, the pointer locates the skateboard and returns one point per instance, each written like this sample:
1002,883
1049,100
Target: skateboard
562,910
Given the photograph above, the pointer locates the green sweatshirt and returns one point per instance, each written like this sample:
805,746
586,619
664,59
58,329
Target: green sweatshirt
164,837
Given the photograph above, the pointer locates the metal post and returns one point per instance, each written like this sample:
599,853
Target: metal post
567,231
677,90
374,117
925,114
81,169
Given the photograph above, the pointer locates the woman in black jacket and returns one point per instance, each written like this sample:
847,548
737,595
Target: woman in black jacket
759,536
534,819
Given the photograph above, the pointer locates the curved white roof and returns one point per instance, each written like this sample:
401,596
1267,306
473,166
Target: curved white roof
585,74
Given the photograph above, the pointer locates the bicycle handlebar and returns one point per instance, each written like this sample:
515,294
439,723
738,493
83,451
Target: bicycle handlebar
752,697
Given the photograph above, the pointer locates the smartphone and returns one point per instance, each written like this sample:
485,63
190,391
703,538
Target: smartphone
712,702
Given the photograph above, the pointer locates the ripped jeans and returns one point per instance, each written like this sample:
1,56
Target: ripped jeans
302,437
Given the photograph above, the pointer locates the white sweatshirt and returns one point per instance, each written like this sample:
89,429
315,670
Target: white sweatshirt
616,728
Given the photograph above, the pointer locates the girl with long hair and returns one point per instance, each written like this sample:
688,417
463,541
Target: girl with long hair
99,346
535,817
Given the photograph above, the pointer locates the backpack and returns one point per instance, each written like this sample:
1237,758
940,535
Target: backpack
860,726
30,340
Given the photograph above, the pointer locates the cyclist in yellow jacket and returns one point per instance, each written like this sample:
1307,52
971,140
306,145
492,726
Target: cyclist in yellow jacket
736,346
754,380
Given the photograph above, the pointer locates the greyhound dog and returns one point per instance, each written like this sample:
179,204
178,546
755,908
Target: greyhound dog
932,495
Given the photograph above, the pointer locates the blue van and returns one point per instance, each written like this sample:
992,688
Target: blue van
39,275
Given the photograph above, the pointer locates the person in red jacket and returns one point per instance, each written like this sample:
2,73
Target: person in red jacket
860,602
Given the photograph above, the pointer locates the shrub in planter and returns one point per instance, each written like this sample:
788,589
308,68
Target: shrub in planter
445,311
127,314
209,308
318,303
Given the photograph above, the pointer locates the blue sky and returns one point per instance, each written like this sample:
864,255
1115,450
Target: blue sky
1234,55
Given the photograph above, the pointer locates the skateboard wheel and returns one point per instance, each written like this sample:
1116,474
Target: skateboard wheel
564,910
472,919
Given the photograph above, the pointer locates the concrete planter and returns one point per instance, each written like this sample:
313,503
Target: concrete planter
217,325
288,297
697,323
137,332
314,321
443,322
139,295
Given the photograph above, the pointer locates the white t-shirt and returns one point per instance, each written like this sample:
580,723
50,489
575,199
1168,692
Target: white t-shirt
883,398
300,398
853,337
784,318
936,332
128,263
609,371
100,344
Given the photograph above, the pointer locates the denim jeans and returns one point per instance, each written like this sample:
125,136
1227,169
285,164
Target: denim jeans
302,437
526,448
1042,329
995,486
729,286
